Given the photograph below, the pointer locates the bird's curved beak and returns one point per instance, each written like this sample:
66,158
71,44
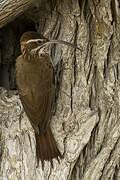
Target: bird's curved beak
59,42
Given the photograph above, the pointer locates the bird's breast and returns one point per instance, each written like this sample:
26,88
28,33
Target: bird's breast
34,76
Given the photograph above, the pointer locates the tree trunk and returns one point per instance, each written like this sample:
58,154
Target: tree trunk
10,9
86,123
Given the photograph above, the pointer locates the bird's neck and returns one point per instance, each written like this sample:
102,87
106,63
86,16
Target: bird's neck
27,55
34,56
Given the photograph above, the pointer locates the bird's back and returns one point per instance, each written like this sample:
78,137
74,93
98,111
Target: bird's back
36,88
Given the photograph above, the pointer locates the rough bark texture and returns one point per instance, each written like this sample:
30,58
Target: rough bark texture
10,9
86,123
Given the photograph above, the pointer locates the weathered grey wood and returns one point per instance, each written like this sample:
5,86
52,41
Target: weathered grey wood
10,9
87,120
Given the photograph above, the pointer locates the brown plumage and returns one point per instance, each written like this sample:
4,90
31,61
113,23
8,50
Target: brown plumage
35,82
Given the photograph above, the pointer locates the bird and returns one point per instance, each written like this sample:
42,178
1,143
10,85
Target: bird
35,80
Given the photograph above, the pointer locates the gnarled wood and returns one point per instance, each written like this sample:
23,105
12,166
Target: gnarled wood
86,123
10,9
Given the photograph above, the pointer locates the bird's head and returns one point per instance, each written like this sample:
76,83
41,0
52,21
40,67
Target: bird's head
32,42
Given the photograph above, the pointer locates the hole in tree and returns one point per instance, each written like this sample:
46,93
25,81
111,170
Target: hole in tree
10,49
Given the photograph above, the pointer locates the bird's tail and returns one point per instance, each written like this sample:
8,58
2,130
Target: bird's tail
46,148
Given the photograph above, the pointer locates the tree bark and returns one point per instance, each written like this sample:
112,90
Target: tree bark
10,9
86,124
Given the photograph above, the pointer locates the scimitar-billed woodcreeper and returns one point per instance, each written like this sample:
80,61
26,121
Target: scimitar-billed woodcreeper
35,83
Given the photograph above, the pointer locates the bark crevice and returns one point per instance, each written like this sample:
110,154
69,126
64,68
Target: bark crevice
86,123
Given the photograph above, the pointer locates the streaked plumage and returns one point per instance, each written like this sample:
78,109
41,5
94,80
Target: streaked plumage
35,82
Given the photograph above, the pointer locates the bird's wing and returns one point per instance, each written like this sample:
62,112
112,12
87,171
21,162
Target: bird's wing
36,91
40,113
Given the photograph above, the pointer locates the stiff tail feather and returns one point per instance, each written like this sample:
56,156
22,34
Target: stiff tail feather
46,148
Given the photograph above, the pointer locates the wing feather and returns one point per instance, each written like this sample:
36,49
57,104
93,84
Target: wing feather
38,114
36,91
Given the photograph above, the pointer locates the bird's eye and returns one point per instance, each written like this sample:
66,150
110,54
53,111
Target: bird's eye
39,41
